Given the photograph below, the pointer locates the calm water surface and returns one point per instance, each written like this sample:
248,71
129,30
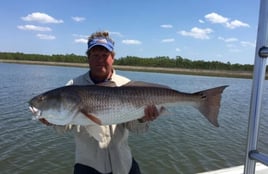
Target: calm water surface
175,144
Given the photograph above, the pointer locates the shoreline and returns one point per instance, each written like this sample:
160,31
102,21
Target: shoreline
201,72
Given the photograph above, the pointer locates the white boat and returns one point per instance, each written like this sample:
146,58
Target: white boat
260,169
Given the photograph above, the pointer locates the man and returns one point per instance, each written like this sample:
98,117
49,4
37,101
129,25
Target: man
106,149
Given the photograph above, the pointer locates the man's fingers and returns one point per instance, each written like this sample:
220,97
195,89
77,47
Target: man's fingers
151,112
44,121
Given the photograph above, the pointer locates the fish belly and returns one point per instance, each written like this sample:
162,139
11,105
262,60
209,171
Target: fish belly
120,115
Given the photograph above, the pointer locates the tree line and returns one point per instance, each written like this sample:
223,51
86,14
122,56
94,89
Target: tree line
161,61
72,58
180,62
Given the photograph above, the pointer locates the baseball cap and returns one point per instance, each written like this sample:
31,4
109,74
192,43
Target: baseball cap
102,41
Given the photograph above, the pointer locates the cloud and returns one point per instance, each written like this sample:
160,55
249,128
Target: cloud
201,21
78,19
178,49
197,33
131,42
114,33
46,37
80,40
218,19
247,44
33,28
236,23
231,46
231,39
168,40
41,18
80,35
166,26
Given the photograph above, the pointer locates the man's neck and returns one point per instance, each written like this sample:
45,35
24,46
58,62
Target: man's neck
97,80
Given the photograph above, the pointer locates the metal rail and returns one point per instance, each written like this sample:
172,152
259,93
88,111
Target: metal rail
261,53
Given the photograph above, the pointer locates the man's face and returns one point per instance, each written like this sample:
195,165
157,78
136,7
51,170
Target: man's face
100,61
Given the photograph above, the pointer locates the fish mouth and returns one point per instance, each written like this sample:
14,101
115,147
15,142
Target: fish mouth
36,112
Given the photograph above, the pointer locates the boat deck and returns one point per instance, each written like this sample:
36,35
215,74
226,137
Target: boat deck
260,169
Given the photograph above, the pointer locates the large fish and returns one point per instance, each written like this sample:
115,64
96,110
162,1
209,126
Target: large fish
105,105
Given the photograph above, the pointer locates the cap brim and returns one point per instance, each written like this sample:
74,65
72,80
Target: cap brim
99,44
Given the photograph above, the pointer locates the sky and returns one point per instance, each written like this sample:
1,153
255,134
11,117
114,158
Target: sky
208,30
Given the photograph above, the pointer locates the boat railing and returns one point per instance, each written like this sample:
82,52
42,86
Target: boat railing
261,54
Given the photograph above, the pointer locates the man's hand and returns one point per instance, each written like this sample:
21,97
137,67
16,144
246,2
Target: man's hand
44,121
151,113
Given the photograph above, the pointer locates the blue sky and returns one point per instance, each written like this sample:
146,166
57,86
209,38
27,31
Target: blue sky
209,30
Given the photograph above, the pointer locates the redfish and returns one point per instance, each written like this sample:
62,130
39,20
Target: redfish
106,105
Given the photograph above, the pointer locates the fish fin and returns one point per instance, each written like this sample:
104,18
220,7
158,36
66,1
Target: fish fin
145,84
210,103
92,118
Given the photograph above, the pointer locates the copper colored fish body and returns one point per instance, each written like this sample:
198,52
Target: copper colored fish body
103,105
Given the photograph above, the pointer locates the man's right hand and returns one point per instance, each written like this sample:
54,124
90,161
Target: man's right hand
44,121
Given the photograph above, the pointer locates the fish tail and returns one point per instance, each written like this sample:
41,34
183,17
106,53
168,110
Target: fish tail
210,103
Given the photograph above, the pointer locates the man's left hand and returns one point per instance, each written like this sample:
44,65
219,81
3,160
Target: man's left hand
151,113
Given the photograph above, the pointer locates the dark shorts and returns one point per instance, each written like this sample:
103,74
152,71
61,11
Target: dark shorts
83,169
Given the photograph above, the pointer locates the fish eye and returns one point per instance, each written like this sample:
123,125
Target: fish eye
42,98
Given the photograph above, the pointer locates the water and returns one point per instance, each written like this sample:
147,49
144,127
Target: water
185,143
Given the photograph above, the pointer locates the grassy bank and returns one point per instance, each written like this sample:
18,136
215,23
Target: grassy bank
235,74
